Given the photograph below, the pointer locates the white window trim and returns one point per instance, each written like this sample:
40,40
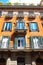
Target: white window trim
4,12
26,13
15,13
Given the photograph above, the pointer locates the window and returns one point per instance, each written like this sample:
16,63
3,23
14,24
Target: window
20,42
31,13
20,25
41,13
33,26
35,42
20,13
10,13
5,42
7,26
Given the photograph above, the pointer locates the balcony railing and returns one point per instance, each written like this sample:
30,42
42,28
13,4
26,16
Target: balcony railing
21,30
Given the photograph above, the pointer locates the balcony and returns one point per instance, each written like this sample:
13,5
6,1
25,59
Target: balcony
20,30
20,27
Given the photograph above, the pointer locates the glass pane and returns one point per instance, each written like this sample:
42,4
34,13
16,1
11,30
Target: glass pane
4,28
5,42
10,13
7,26
22,42
33,26
36,42
18,43
20,25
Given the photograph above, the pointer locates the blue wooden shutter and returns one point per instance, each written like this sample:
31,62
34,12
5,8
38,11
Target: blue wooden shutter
31,42
15,43
42,40
24,42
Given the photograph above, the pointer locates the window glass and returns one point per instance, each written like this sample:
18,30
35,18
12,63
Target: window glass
10,13
7,26
33,26
21,13
36,42
20,42
5,42
20,25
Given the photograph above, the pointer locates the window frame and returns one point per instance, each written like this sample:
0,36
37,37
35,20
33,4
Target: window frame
32,43
7,42
7,26
10,13
20,13
34,30
19,27
16,43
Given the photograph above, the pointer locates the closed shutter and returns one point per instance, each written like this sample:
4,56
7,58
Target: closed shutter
15,42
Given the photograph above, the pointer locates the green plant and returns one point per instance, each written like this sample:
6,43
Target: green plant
8,3
16,3
38,4
1,3
32,4
24,3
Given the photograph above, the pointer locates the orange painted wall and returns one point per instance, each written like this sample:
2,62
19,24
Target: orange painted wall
28,33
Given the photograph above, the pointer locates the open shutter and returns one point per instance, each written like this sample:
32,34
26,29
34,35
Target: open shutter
24,42
41,46
31,42
39,41
42,40
15,43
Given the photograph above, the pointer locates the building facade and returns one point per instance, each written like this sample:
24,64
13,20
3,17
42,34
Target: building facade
21,35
